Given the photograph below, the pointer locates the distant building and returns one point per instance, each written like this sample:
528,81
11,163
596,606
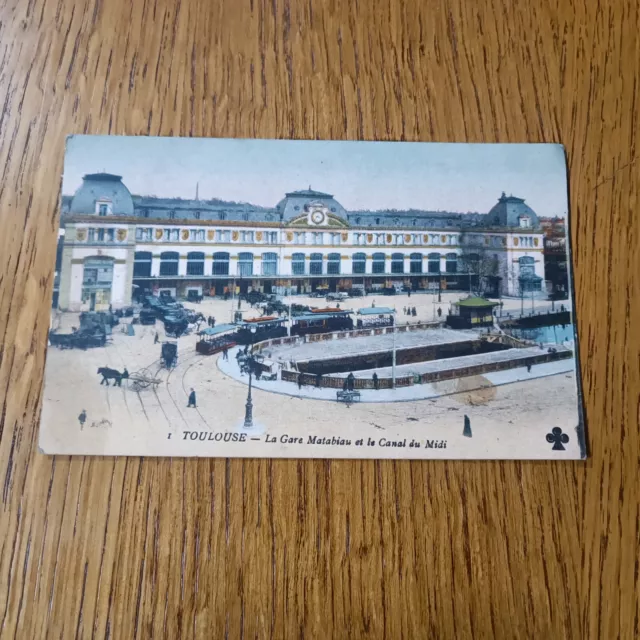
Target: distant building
117,245
556,271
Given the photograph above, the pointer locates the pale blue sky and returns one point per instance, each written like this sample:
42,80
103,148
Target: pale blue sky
361,175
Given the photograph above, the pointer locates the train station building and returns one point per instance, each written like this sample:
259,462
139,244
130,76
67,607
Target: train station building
116,245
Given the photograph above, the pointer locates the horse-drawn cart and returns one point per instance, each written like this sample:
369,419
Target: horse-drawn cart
142,380
169,355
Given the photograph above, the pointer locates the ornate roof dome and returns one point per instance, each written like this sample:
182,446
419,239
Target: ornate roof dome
102,187
511,212
295,202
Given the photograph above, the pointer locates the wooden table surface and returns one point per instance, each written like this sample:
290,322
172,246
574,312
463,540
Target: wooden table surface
135,548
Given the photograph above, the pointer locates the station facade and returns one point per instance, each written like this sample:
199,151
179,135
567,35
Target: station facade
116,245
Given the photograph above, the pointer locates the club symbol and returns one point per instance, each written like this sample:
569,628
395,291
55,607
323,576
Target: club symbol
558,439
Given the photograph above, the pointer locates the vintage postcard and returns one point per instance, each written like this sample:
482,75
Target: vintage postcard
263,298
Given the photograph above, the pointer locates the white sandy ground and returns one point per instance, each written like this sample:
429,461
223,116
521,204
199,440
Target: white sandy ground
507,421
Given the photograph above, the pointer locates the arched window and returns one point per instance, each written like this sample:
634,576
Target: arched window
452,263
358,220
142,264
220,263
169,263
397,263
414,222
315,265
333,264
434,262
223,215
197,215
527,265
97,272
377,220
195,263
245,264
172,214
359,263
416,263
269,264
377,265
529,281
297,264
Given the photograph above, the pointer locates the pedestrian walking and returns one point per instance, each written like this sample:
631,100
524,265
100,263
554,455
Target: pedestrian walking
192,399
529,368
318,380
156,339
439,312
82,418
409,293
213,321
373,304
351,380
467,428
300,381
376,382
225,353
414,313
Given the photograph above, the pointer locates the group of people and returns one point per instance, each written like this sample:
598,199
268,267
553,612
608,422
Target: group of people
410,311
211,321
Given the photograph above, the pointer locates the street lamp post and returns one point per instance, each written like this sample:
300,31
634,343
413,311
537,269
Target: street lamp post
248,411
393,361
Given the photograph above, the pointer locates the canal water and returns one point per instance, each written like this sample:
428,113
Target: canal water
556,334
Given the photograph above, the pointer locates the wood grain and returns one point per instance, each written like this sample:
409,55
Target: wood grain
281,549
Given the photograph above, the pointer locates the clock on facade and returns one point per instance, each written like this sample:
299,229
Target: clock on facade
317,217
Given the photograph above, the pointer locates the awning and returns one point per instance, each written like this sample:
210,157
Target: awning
310,317
375,311
214,331
476,302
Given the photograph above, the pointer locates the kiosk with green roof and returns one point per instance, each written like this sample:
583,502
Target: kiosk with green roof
471,313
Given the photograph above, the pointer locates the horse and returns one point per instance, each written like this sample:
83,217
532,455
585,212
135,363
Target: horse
108,374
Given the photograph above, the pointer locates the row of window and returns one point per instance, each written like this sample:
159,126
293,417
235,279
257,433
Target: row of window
101,235
169,261
150,234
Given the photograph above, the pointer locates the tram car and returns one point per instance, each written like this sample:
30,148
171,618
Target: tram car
169,355
215,339
258,329
373,317
322,321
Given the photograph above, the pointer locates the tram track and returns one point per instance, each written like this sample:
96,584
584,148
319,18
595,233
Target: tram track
194,359
185,390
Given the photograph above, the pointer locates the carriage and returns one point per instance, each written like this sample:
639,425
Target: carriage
142,380
216,339
147,316
77,340
322,321
175,325
169,355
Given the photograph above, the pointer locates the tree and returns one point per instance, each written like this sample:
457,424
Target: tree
481,265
